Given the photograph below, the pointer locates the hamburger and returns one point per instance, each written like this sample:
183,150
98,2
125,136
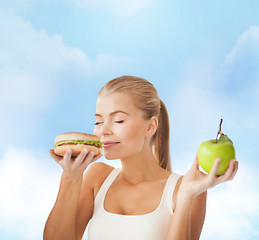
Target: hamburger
77,141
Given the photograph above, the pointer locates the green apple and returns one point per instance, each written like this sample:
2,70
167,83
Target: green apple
216,148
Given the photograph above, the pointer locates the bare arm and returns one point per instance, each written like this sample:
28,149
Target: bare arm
192,215
61,223
180,224
198,213
188,218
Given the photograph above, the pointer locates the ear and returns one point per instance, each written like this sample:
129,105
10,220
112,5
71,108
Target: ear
152,126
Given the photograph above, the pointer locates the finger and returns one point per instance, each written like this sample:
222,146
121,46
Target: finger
82,156
95,158
53,155
214,169
235,169
68,154
231,171
89,158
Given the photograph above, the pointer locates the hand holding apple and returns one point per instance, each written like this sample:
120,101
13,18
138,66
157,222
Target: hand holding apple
216,148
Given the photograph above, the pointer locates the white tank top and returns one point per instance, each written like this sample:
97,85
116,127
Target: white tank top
105,225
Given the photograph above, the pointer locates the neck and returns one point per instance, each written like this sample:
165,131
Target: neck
142,167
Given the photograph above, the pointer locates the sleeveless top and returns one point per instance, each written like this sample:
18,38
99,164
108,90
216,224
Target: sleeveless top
105,225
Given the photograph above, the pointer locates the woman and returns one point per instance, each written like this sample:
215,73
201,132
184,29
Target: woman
142,200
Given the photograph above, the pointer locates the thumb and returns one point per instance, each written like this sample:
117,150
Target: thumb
195,164
55,156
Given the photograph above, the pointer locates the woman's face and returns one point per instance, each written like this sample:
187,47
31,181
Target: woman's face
120,125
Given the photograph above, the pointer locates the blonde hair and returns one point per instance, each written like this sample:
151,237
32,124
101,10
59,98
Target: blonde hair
146,99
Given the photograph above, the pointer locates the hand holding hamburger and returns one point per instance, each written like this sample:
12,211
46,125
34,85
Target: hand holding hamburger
77,141
82,148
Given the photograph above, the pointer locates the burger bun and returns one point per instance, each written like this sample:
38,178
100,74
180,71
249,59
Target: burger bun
76,148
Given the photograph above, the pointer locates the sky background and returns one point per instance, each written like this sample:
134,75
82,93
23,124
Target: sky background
55,55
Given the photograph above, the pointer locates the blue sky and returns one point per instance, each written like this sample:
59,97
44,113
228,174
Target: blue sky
203,57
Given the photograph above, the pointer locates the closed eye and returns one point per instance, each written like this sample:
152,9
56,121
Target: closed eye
119,121
98,123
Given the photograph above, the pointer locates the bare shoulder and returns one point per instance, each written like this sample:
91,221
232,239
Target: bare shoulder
95,175
98,168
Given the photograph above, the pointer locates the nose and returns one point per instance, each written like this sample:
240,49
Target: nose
104,130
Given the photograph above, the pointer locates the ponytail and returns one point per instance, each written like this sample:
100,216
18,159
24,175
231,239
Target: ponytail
161,144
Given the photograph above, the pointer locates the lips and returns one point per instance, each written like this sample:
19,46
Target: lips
107,144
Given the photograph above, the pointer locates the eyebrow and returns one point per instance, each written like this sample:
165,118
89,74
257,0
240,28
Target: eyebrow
112,113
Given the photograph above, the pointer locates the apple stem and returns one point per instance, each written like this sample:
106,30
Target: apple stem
219,131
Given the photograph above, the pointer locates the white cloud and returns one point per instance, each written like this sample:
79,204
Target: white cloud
246,46
233,210
24,48
28,190
240,68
